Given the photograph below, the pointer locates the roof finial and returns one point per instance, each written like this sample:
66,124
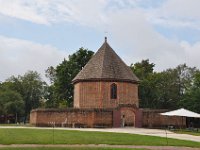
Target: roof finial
105,39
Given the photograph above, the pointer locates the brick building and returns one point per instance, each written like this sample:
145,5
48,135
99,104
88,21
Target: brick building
105,95
106,82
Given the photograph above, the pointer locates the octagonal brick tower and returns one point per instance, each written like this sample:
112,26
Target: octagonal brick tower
105,82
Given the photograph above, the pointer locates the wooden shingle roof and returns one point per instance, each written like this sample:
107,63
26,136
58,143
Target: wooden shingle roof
106,65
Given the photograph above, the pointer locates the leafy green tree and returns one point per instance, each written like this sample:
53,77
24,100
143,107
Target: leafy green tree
11,102
144,70
185,76
31,87
51,97
166,91
163,89
50,73
179,79
155,91
191,99
62,77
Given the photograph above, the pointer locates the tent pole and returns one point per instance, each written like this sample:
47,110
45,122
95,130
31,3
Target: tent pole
182,123
166,131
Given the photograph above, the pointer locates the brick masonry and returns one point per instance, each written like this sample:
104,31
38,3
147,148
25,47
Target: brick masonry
94,108
72,117
151,118
97,94
104,117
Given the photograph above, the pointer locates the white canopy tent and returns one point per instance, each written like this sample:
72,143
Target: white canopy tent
182,113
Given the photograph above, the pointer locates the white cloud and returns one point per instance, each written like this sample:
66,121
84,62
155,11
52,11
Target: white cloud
177,13
18,56
192,53
54,11
130,24
181,9
92,13
21,10
140,41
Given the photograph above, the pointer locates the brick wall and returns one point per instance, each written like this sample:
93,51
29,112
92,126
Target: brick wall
72,117
33,117
97,94
104,117
151,118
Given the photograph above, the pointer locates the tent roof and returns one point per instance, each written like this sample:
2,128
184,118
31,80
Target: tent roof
181,112
106,65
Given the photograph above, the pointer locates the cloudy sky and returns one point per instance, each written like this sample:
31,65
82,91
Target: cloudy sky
40,33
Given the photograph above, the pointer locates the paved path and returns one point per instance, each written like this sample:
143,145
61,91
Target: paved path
102,145
131,130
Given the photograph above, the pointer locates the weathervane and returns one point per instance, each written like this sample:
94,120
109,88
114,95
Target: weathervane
106,33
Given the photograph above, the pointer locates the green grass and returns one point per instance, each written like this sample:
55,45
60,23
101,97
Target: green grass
9,124
16,125
45,136
58,148
191,132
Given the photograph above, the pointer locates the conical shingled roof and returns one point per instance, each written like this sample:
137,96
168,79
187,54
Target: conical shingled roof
106,65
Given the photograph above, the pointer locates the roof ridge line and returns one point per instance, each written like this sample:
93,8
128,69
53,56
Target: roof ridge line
103,57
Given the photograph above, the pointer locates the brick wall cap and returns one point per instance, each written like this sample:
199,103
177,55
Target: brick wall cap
72,110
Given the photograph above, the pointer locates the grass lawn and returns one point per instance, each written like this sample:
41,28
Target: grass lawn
16,125
58,148
50,136
191,132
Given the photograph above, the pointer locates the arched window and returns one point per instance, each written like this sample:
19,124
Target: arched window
113,91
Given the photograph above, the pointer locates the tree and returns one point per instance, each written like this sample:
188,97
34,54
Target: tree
31,87
164,89
50,73
51,97
11,102
63,74
179,80
144,70
185,76
191,98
